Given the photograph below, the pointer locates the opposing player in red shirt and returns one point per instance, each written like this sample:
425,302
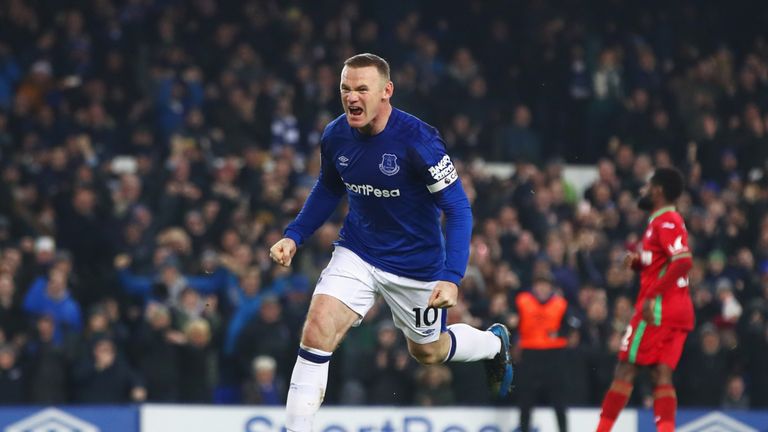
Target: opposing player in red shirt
663,311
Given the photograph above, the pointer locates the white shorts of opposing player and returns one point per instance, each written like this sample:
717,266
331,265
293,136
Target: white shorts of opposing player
356,283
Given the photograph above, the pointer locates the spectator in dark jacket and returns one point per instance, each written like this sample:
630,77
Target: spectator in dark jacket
13,389
388,382
706,359
266,334
157,350
11,315
197,365
47,364
105,378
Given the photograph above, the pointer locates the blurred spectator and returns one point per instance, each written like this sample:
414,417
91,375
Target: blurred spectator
263,388
158,357
388,381
265,334
543,327
11,315
707,359
517,141
97,327
10,73
47,364
168,282
51,297
735,395
197,363
106,378
44,254
13,389
756,345
433,385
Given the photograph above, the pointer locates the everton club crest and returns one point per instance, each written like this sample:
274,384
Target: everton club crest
389,165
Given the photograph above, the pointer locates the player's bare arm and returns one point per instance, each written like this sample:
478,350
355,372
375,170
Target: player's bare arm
648,307
631,259
283,251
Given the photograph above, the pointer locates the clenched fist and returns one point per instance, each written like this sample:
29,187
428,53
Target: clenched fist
445,294
283,251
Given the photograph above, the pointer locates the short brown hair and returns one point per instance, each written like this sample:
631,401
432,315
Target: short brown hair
368,59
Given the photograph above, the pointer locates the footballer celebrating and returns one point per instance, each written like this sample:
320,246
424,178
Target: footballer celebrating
398,180
663,311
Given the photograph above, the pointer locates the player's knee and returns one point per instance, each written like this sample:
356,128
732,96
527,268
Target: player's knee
319,333
661,375
625,372
425,355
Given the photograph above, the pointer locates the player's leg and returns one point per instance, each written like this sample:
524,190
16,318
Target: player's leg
457,343
555,377
328,320
624,377
664,394
343,295
617,396
430,341
530,379
464,343
664,398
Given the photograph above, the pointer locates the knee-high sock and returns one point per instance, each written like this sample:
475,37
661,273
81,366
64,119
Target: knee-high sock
308,381
469,344
664,406
614,402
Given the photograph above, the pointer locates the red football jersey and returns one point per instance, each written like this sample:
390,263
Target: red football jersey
665,240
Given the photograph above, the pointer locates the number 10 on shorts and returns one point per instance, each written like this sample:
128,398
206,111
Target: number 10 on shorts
428,316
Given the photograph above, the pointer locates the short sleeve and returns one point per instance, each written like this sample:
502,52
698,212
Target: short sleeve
673,238
435,166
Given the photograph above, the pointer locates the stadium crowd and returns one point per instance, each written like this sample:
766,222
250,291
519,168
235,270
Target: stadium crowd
152,150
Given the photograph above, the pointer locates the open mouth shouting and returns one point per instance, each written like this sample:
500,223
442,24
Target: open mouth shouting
356,112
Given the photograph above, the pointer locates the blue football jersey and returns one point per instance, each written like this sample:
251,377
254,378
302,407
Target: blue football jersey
397,182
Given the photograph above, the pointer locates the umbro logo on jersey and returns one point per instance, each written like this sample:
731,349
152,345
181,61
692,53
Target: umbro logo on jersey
388,164
343,160
668,225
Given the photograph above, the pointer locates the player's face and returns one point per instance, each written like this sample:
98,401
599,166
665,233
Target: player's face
646,200
363,93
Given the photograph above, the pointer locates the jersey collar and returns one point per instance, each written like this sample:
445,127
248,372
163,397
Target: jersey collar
660,212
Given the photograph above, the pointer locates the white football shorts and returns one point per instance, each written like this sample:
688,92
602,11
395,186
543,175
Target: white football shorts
355,283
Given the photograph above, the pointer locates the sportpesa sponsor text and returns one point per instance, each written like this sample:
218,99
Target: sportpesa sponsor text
368,190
